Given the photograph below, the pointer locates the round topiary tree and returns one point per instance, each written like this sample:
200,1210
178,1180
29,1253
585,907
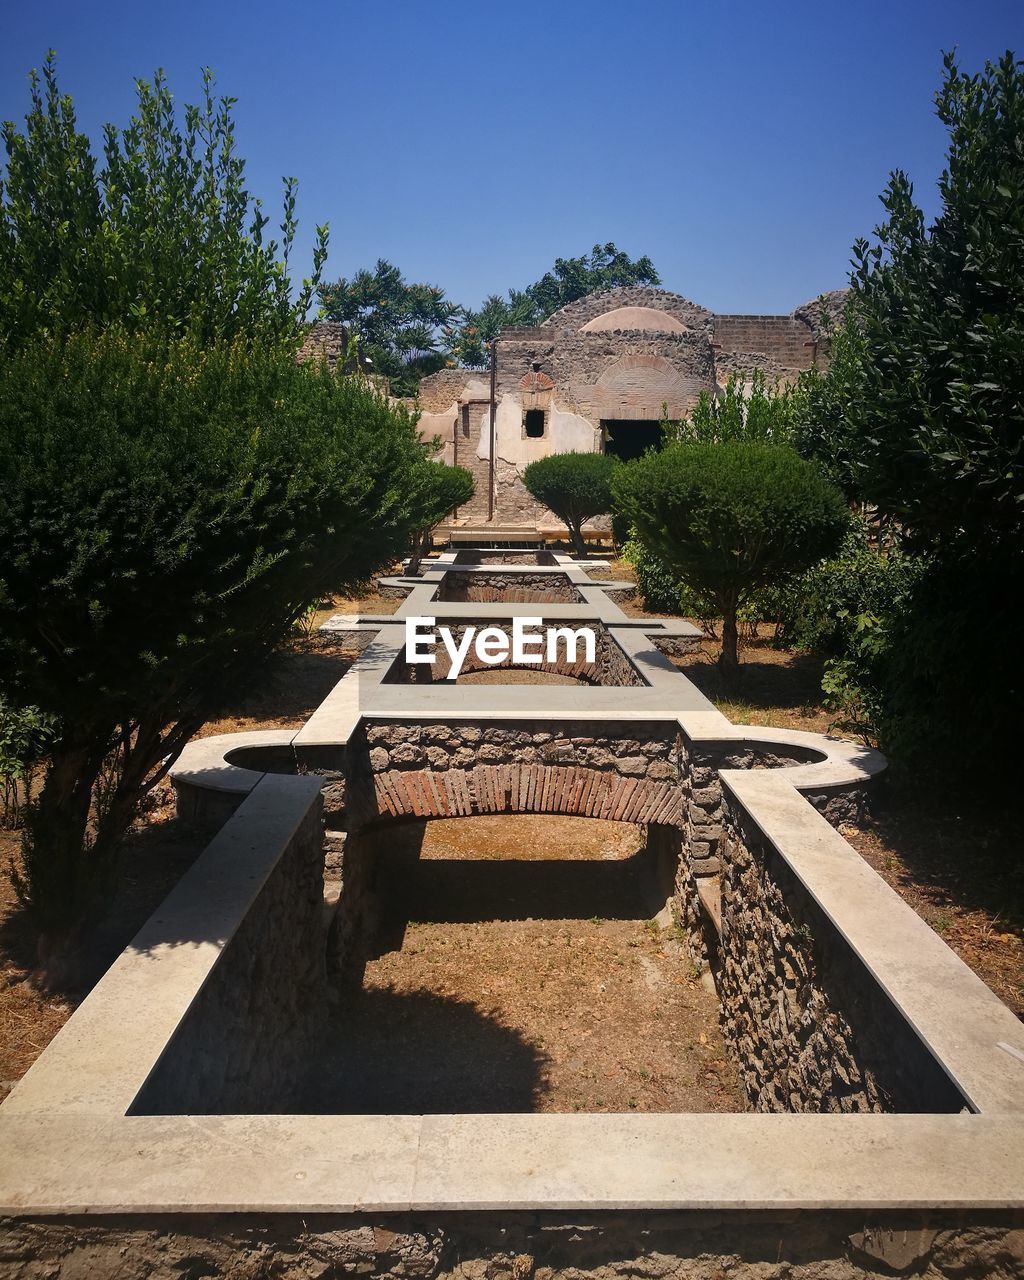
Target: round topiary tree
575,486
731,518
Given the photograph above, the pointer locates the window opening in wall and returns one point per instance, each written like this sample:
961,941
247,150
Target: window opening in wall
533,423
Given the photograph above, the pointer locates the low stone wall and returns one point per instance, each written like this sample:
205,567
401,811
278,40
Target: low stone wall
747,1245
539,558
452,770
611,668
808,1028
248,1027
510,588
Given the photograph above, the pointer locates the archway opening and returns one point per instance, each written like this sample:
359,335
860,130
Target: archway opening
522,963
628,438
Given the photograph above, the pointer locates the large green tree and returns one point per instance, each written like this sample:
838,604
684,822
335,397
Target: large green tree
174,488
922,417
399,325
167,509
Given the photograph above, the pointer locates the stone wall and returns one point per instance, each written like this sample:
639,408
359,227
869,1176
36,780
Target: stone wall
787,341
247,1028
455,770
806,1024
612,669
513,588
660,1245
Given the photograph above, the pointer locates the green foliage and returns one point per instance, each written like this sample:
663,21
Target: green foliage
823,429
161,229
575,486
663,591
399,324
834,603
25,733
938,413
748,409
437,489
922,415
605,267
731,518
168,508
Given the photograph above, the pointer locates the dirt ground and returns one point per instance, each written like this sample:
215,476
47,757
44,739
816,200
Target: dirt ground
520,969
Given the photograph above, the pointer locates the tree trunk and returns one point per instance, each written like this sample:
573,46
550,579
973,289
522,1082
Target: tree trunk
59,873
730,657
576,534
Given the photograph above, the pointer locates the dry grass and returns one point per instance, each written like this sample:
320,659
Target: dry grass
520,971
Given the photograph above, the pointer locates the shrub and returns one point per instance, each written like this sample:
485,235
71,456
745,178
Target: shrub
575,486
25,733
754,410
731,518
836,600
162,229
168,509
662,591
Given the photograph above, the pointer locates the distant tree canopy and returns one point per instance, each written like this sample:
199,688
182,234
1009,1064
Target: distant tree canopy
410,330
400,325
605,267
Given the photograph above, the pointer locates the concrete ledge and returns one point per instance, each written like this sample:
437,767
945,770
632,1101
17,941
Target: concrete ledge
478,1163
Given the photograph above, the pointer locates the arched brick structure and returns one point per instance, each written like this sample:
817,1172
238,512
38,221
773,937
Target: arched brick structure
637,386
528,788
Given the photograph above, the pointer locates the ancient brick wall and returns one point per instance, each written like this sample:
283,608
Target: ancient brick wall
783,339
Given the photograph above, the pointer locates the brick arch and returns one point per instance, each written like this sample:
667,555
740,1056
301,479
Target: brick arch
636,386
572,790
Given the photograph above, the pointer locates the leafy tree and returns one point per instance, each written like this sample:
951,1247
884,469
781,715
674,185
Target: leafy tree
921,414
731,518
168,508
938,411
161,230
575,486
822,428
605,267
749,409
437,490
398,324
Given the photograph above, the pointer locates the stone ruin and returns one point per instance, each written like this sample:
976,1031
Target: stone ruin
598,375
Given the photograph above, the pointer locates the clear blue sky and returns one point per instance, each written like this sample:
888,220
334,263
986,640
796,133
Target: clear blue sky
742,145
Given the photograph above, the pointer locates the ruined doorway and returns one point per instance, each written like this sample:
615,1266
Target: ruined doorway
628,438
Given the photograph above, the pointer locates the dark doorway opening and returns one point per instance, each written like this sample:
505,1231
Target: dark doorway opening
533,423
628,438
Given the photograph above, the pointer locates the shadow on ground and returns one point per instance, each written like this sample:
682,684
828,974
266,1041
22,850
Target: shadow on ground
463,1060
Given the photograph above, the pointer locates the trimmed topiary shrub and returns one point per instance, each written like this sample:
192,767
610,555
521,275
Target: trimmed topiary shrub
575,486
168,508
731,518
